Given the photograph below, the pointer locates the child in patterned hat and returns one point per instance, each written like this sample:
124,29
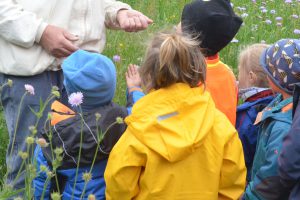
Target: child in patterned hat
281,62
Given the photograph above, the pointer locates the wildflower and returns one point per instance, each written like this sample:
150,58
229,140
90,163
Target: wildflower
268,21
58,151
18,198
117,58
295,16
55,196
278,24
98,116
288,1
49,117
54,88
234,40
43,168
91,197
23,155
9,82
86,177
119,120
254,27
42,142
297,31
29,89
241,8
75,99
278,18
253,1
262,7
55,93
29,140
49,174
244,15
264,10
33,130
273,12
232,5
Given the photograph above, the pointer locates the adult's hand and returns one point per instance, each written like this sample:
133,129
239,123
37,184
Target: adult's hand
132,20
58,42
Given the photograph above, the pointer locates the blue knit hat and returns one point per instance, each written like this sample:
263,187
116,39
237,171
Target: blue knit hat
281,62
92,74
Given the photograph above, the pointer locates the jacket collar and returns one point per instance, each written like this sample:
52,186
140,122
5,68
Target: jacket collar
212,61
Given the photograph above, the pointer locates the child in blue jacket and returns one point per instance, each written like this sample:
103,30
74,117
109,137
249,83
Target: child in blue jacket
93,77
255,93
281,63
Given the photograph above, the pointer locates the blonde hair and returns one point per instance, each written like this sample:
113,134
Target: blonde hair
172,58
249,60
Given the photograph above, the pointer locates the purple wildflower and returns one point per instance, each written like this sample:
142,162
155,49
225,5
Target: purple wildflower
295,16
264,10
273,12
75,99
278,24
29,89
278,18
297,31
244,15
268,21
288,1
117,58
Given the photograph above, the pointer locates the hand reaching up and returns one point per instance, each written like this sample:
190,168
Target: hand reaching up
133,78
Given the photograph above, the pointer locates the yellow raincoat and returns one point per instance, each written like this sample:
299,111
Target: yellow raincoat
177,146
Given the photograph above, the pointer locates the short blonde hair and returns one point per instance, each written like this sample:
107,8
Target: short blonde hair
172,58
249,60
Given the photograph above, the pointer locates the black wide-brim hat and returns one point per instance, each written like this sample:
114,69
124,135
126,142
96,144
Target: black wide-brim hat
212,22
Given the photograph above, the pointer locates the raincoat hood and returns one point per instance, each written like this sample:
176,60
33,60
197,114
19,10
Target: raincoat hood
168,127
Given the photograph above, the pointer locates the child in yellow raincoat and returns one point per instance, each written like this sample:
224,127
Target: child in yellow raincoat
177,144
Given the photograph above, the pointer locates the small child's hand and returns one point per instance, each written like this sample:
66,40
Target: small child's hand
133,78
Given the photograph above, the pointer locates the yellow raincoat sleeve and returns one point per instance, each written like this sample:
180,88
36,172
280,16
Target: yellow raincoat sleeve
124,168
233,171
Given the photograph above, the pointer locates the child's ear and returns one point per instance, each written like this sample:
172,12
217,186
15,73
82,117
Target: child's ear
252,78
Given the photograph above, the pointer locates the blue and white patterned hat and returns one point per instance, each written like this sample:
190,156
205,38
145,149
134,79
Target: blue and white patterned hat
281,62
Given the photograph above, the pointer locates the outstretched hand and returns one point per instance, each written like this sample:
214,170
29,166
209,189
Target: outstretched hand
133,78
58,42
132,20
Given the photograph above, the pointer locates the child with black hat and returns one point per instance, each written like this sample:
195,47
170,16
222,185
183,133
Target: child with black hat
93,129
214,24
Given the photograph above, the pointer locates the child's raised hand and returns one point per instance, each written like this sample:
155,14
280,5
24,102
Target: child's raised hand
133,78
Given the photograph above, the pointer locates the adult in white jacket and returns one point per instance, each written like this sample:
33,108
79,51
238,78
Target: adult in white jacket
34,36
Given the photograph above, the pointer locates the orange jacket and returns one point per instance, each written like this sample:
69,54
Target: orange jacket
221,84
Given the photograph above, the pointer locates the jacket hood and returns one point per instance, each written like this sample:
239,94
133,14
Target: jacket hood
279,110
173,121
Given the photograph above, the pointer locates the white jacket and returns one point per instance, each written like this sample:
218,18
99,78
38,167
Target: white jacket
22,23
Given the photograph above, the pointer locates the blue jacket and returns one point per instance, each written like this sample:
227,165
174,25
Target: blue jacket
289,159
95,186
246,115
274,124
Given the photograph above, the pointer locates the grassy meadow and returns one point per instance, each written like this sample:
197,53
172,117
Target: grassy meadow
264,21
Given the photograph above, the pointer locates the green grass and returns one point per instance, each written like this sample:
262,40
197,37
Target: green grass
166,14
